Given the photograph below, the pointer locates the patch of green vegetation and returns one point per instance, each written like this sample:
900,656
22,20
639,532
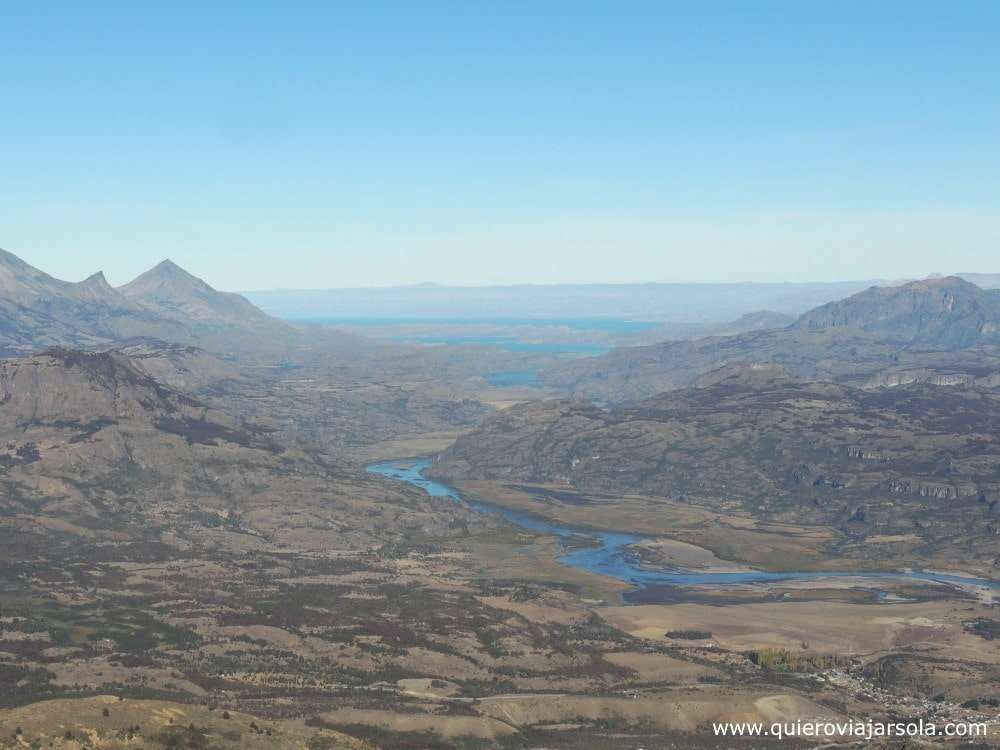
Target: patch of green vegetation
389,740
382,738
185,737
983,627
22,678
127,622
321,742
783,660
689,635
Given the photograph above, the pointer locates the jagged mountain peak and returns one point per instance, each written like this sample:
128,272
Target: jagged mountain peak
96,288
97,279
173,291
166,302
166,268
20,282
165,277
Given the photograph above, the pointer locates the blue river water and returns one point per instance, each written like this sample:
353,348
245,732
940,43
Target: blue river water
606,552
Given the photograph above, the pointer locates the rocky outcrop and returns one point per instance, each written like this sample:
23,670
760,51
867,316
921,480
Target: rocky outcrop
186,368
984,377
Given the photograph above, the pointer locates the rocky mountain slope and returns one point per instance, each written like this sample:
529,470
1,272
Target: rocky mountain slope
169,306
945,322
947,313
310,384
95,451
165,303
173,292
186,368
37,310
758,320
917,460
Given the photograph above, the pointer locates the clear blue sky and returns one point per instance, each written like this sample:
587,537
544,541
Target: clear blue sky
299,144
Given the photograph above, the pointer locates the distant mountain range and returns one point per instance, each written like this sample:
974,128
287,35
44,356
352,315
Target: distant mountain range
933,323
683,303
794,419
180,333
950,313
165,303
875,415
679,303
922,325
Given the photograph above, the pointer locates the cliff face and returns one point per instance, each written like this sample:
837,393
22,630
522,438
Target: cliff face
186,368
984,377
780,448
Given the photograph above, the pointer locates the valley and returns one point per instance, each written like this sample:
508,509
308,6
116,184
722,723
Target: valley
223,530
500,376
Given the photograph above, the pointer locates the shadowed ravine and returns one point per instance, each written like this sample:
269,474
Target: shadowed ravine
606,553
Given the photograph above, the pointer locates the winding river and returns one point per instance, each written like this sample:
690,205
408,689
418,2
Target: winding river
606,553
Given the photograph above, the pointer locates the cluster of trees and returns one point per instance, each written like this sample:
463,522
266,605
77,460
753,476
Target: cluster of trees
783,660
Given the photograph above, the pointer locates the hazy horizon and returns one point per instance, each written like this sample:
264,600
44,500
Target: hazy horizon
900,279
116,279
